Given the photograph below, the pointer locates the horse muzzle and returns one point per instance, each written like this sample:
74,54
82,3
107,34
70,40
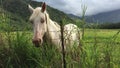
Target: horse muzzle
37,42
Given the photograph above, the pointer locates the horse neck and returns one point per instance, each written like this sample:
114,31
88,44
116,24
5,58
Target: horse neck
52,27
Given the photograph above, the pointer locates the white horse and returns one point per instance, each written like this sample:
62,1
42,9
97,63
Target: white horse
44,27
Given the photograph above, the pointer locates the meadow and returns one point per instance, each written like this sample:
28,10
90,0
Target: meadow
100,48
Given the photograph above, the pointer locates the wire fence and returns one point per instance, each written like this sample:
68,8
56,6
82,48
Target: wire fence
29,33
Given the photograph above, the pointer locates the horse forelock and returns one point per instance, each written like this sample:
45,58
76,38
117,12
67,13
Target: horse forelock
36,13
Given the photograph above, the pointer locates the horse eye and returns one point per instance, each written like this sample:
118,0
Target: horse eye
42,20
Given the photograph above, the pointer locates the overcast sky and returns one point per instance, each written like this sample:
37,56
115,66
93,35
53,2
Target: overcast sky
93,6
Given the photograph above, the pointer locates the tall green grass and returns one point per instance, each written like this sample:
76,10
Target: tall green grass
17,50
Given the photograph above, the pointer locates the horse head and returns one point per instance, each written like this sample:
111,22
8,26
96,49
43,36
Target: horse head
38,20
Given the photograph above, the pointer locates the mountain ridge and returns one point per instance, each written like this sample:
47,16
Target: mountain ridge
110,17
104,17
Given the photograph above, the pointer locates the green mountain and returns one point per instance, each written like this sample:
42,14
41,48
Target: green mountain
109,17
104,17
18,13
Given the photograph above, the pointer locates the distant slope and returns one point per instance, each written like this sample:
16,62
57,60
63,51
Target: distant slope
109,17
73,16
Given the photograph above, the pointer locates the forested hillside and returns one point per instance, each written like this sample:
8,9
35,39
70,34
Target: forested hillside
18,13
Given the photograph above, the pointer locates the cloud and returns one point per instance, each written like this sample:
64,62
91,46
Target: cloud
93,6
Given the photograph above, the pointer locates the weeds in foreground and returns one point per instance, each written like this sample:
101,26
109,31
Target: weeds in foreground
18,51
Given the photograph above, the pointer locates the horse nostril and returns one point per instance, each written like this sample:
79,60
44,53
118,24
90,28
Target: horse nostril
40,41
37,42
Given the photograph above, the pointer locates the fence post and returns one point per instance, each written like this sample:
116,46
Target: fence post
62,41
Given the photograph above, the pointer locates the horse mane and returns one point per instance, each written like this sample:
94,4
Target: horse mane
54,22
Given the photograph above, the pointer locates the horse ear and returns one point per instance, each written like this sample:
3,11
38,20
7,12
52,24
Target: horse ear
43,7
30,8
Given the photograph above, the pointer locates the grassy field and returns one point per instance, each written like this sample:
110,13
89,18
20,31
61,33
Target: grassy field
101,34
100,49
